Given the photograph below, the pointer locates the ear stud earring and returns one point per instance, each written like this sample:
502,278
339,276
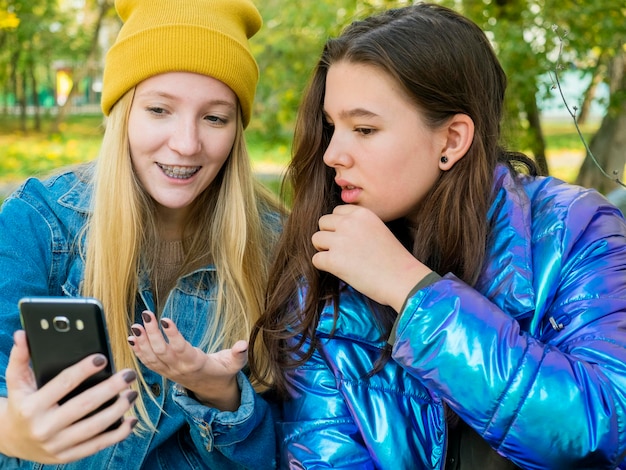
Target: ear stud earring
444,159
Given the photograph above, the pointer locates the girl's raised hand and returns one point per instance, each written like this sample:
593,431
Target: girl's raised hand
211,378
357,247
35,427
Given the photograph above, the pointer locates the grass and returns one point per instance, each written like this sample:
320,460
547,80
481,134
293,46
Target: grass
38,153
565,152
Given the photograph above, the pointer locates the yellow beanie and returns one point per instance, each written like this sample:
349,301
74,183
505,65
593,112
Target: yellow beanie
209,37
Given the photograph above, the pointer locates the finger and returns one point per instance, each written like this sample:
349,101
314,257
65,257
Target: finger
319,260
327,222
177,343
154,333
231,360
240,353
321,240
70,378
345,209
141,346
19,375
86,402
101,421
240,346
98,442
327,261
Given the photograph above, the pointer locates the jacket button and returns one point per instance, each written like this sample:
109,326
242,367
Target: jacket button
156,389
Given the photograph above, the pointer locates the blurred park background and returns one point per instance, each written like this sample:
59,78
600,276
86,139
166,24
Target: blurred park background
566,62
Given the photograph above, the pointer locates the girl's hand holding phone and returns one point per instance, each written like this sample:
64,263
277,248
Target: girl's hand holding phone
35,427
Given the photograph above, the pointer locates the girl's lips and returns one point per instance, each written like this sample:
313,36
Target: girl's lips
178,172
350,194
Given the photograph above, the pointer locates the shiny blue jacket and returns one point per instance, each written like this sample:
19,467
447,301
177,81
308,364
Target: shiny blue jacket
533,357
39,224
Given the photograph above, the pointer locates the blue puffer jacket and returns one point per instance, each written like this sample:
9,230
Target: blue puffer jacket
39,225
533,357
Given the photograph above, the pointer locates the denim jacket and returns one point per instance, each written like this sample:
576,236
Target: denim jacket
532,358
39,224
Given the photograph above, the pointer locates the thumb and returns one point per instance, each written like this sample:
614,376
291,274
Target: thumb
239,352
19,375
240,346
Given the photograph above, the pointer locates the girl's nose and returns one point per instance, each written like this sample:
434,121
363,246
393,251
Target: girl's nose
337,153
185,139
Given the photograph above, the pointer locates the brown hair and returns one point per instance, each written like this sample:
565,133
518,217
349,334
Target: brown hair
446,65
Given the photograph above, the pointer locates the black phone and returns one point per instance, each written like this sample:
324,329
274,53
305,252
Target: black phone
61,331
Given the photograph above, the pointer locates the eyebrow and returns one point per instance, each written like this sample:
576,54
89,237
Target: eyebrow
355,113
164,94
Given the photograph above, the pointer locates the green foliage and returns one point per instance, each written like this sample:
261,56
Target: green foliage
44,32
288,47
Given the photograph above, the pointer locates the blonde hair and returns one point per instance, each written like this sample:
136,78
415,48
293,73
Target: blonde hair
225,227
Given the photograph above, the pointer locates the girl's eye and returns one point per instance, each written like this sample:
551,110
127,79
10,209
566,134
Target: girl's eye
216,120
155,110
364,130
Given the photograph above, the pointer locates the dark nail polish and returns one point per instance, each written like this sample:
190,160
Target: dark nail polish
133,422
136,331
146,317
131,342
129,376
165,324
132,396
99,360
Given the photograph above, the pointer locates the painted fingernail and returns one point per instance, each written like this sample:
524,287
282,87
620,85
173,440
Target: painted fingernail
131,342
132,396
136,331
133,422
146,317
99,360
165,324
129,376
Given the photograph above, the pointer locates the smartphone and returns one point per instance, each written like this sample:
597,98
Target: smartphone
61,331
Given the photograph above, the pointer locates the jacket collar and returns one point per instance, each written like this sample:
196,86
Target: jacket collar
78,196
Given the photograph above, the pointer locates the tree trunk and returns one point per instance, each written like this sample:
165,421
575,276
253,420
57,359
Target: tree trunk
512,12
585,107
539,143
22,100
33,84
79,74
15,57
608,147
609,143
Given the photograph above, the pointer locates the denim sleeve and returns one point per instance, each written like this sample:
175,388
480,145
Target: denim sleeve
26,252
244,437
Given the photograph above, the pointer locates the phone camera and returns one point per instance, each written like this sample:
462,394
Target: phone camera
61,324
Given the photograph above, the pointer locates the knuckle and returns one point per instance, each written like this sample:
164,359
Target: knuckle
178,347
41,435
26,411
159,350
